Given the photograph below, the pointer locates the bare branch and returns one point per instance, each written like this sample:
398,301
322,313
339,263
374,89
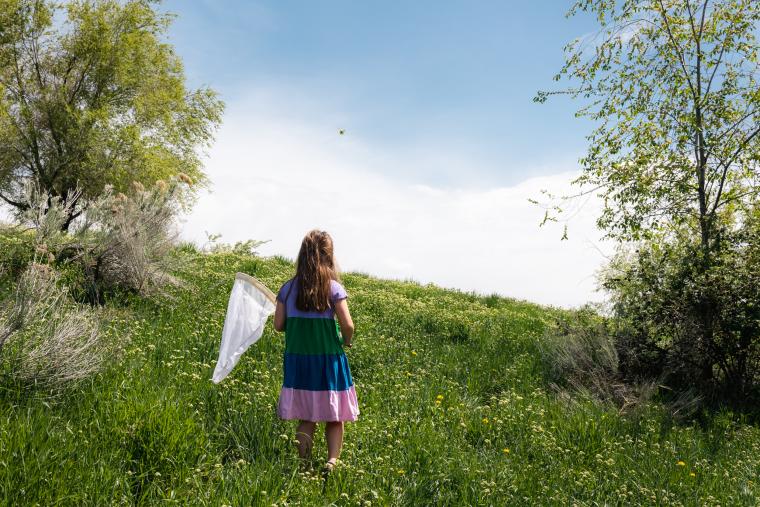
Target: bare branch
19,205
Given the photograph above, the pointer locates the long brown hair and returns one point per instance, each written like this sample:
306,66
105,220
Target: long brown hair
315,268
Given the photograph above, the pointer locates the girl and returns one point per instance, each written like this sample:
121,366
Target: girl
317,383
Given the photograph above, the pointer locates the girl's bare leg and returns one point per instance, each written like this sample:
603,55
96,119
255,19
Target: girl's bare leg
334,437
305,437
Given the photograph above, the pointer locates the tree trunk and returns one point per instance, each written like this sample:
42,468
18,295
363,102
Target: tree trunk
72,212
704,305
69,219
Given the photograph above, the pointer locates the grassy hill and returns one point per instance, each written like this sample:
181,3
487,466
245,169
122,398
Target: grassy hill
454,407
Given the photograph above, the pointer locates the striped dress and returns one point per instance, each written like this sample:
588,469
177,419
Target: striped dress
317,383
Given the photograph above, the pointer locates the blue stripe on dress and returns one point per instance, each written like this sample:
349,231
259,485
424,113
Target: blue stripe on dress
313,372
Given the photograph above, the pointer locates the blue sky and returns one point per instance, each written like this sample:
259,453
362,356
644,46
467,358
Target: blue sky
443,146
404,75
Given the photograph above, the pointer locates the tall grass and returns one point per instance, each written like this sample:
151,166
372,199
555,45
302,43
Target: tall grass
455,410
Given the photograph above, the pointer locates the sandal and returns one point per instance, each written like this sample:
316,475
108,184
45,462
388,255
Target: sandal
329,466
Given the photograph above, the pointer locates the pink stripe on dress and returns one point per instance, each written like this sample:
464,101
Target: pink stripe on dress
318,405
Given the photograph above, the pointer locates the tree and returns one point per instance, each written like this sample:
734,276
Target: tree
674,87
675,157
97,100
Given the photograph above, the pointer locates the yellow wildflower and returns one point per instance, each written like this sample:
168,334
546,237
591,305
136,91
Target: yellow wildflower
485,420
439,397
681,464
505,450
692,474
414,353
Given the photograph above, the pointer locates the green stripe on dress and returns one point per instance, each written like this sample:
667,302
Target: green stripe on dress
312,336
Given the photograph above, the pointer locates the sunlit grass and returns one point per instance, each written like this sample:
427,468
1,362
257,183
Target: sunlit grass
454,410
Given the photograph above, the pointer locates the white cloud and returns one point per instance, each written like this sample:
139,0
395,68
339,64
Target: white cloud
276,174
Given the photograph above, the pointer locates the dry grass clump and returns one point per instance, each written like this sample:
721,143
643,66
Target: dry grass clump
120,241
133,238
44,337
580,354
581,360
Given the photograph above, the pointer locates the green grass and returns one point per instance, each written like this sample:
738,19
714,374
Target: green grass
153,428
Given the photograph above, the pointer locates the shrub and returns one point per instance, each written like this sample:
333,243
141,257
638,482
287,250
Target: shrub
693,323
187,247
133,237
120,242
44,337
17,247
248,247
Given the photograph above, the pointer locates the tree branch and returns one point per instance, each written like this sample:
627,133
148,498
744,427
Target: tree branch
36,60
33,132
679,52
19,205
727,165
739,197
702,21
691,20
717,66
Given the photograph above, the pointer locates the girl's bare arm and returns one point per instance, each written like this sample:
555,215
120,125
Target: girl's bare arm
345,322
279,317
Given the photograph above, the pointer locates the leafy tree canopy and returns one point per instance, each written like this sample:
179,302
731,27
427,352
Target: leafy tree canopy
673,88
90,95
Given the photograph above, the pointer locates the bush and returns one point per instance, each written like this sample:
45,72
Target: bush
120,242
44,337
248,247
187,247
133,237
17,247
694,323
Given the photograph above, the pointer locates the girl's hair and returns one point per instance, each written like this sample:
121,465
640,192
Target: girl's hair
315,268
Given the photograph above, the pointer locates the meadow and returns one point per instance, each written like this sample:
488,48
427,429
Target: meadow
455,409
